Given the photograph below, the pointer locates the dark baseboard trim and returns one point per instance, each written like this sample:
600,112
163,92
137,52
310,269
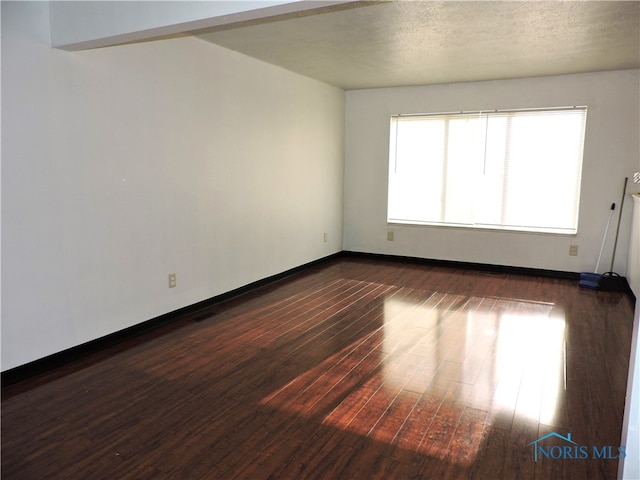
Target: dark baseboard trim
482,267
205,309
195,312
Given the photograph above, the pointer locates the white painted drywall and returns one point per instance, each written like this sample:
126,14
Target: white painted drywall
629,467
123,164
633,260
77,25
611,152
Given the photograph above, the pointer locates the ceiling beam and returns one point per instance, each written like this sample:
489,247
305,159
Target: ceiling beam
81,25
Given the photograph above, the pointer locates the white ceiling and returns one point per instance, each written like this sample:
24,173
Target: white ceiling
382,44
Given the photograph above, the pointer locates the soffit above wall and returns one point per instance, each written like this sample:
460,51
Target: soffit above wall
82,25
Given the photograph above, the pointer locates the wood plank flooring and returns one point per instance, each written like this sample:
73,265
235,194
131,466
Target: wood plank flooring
357,368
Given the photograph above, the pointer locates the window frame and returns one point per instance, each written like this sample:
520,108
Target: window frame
577,166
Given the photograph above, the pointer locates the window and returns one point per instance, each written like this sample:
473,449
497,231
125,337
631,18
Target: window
510,170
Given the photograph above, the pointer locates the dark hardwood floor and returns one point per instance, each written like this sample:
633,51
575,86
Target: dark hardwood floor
354,369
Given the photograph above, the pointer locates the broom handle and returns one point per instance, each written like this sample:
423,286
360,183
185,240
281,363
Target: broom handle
615,243
604,238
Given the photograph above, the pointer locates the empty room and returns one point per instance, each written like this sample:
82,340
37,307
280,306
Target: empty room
320,239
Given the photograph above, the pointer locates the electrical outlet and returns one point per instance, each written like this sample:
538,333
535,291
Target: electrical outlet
573,250
172,280
326,237
390,236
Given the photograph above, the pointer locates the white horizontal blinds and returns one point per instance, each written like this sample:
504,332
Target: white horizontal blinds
463,157
430,158
542,168
416,169
512,170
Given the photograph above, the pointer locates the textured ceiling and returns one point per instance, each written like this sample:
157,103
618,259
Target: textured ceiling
381,44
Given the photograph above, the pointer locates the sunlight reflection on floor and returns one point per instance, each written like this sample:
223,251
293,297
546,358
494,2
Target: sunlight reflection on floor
467,359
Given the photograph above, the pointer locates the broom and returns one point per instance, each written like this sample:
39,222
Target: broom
591,280
611,281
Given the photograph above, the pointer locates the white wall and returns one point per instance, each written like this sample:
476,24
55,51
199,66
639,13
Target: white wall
611,153
76,25
633,260
123,164
629,468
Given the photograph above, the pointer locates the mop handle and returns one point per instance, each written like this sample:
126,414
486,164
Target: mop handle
615,243
604,238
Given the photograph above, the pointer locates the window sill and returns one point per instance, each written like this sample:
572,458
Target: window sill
485,228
